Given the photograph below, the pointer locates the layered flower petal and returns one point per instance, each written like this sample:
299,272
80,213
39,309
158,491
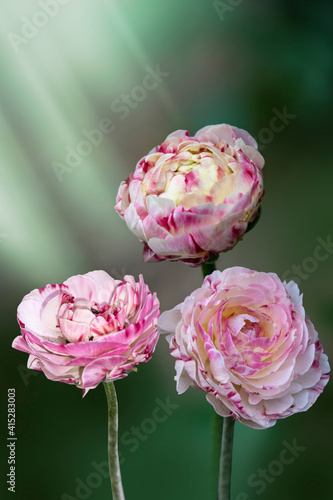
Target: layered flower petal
192,197
89,329
244,338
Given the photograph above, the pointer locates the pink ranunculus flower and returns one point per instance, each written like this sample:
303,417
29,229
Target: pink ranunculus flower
244,338
192,197
91,328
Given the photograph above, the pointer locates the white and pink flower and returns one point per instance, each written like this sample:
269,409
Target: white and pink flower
91,328
244,338
192,197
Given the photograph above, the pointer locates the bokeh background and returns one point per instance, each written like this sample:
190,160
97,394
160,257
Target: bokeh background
65,67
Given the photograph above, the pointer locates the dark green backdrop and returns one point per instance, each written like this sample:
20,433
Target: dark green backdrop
66,67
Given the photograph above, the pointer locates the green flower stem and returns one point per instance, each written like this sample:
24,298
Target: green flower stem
209,266
216,449
114,467
223,428
224,483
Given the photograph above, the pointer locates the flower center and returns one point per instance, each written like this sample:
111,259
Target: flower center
245,343
81,321
194,177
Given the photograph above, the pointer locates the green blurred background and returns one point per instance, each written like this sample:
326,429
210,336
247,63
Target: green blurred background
65,68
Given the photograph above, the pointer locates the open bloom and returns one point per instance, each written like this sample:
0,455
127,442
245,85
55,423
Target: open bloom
193,196
89,329
244,338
